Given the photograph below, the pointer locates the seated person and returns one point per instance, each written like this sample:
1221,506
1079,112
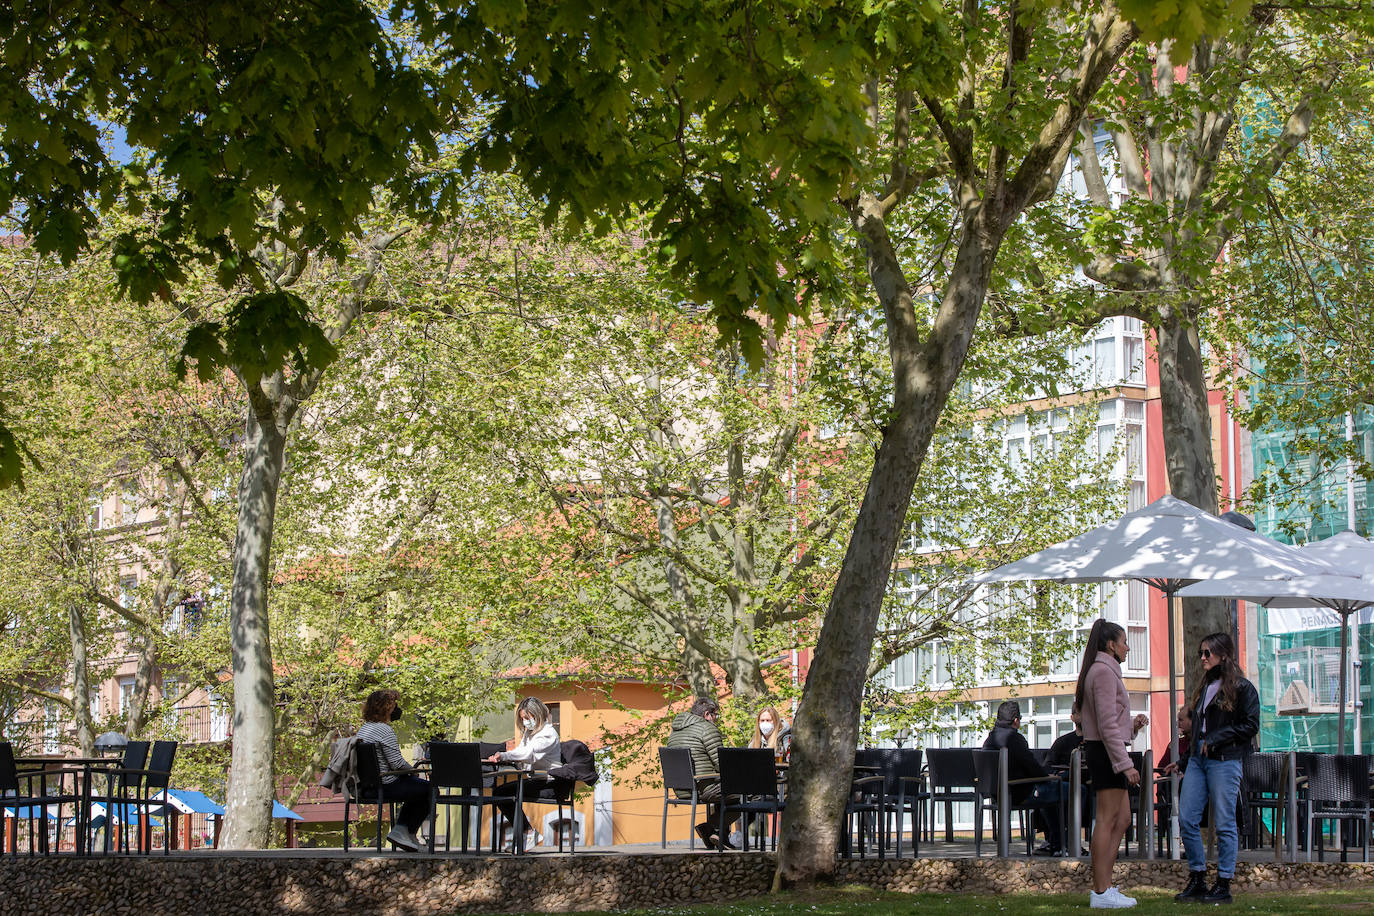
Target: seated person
538,749
1061,751
1021,764
697,731
398,780
1166,763
771,732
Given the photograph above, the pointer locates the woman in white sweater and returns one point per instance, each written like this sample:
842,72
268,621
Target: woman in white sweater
538,749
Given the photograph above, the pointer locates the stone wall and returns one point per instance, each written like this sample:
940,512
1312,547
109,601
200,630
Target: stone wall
211,884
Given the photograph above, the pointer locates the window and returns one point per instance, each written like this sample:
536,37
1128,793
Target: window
128,591
1104,362
126,695
1134,356
52,721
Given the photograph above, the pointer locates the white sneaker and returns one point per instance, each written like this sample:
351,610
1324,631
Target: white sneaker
1110,899
400,836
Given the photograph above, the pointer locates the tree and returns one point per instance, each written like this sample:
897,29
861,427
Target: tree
1199,153
201,116
96,394
1300,268
760,146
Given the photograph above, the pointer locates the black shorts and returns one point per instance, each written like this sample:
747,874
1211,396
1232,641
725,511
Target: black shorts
1100,767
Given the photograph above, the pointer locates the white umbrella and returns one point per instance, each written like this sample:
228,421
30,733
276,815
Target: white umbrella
1345,592
1167,544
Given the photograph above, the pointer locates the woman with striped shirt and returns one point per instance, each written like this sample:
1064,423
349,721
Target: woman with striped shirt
399,782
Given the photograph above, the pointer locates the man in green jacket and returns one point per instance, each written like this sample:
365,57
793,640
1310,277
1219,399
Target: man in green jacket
696,731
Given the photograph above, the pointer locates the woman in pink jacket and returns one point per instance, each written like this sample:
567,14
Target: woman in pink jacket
1105,706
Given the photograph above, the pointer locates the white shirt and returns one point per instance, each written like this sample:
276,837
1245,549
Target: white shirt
1207,697
538,751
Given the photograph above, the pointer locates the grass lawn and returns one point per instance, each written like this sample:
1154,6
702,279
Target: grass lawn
858,901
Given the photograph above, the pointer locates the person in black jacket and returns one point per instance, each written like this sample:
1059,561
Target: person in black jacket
1021,764
1226,718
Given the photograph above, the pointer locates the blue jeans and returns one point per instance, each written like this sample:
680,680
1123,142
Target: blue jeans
1218,782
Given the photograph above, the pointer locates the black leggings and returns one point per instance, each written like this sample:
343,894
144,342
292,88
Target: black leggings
506,793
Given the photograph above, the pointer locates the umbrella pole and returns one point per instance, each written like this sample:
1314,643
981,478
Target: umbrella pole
1345,652
1174,851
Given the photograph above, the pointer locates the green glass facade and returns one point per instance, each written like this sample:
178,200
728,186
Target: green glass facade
1319,513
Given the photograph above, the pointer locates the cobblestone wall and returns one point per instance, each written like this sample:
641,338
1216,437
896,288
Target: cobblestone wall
233,885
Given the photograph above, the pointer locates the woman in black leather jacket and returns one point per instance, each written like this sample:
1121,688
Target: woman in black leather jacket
1226,718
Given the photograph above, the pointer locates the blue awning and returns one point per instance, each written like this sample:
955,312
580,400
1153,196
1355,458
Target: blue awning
189,801
281,811
122,814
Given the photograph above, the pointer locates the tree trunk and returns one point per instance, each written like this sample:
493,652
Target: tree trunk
136,720
825,731
251,783
1187,428
81,681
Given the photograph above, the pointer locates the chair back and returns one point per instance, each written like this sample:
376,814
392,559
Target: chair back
987,765
1041,755
160,762
1263,773
950,769
135,758
455,765
1338,778
677,768
747,771
369,769
9,773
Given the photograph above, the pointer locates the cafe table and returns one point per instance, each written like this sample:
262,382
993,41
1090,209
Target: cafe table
83,769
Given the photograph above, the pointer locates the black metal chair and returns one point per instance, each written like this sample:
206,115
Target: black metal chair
578,766
678,776
988,771
866,800
950,779
749,777
1337,789
371,790
1263,783
903,789
120,781
157,781
29,804
457,777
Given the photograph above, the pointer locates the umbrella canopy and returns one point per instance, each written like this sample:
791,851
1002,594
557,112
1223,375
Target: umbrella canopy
1346,591
1167,545
1345,550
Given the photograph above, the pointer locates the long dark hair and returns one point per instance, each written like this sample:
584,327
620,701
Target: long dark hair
1103,632
1220,644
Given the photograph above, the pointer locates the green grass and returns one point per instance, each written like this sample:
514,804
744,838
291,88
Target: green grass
861,901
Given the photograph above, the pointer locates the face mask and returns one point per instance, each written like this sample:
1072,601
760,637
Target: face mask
765,728
528,723
395,713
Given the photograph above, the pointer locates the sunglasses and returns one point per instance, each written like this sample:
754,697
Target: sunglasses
1204,653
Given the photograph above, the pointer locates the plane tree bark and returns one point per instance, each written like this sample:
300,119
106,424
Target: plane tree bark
1171,142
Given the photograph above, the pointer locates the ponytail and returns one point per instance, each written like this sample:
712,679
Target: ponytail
1102,633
